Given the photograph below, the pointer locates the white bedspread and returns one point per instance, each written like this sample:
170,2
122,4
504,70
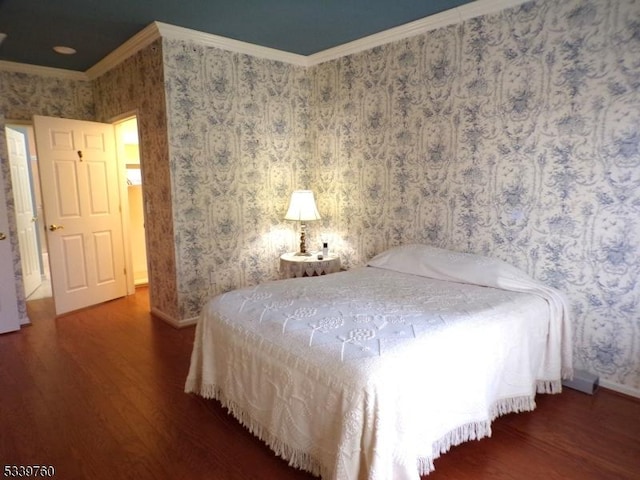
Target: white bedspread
373,373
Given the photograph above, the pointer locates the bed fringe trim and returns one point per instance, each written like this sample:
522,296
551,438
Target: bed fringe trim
294,457
304,461
549,386
474,430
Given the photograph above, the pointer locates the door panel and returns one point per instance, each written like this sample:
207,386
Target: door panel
75,269
82,211
105,269
66,182
98,185
61,140
25,213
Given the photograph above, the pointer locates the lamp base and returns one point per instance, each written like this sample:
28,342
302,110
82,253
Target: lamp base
303,243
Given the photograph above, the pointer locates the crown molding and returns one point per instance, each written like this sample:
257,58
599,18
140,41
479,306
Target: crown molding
486,7
29,69
208,39
158,30
140,40
411,29
395,34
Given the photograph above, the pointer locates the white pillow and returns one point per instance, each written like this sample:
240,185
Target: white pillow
433,262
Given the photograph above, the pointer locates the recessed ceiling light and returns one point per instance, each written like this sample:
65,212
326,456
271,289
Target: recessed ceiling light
64,50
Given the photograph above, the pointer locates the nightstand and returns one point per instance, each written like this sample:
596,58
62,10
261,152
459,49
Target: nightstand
292,265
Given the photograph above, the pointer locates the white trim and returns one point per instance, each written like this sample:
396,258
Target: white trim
42,71
157,30
140,40
486,7
395,34
187,322
632,392
417,27
229,44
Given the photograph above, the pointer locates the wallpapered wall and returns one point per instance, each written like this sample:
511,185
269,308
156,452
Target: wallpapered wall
238,139
137,86
515,135
134,86
21,97
512,135
5,178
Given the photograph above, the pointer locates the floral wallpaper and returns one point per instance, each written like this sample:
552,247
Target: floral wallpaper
515,135
239,144
22,96
137,86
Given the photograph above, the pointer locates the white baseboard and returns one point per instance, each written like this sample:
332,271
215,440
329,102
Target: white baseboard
186,322
632,392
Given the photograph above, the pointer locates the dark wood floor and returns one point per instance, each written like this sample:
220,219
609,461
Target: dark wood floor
98,394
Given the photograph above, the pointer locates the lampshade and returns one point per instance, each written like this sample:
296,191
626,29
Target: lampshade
302,207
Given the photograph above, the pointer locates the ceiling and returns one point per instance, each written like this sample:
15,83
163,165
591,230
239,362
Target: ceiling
97,27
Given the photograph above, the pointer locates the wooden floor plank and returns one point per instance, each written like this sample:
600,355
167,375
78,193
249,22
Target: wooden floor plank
99,394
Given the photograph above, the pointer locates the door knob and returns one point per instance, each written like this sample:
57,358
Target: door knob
2,236
53,227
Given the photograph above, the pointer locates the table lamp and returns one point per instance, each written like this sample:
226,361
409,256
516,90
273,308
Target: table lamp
302,208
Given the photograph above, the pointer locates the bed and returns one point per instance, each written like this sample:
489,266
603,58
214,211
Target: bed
374,372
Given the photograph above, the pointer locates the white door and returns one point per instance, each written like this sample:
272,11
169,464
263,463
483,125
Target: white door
25,213
8,301
79,183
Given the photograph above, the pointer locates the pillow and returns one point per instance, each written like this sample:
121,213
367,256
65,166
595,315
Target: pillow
433,262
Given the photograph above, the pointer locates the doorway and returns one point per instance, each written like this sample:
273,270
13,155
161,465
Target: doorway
125,133
25,181
128,147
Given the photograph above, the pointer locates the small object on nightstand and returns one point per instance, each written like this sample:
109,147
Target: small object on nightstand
292,265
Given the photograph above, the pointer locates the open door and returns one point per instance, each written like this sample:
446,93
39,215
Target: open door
79,183
9,320
25,213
